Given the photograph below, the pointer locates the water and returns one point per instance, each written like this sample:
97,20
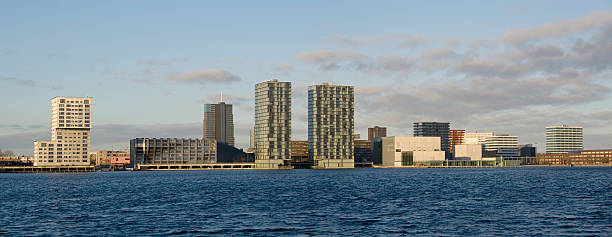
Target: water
493,201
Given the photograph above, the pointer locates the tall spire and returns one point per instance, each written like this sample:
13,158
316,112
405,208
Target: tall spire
221,97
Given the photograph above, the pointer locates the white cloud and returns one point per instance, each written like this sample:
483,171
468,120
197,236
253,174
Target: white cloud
204,76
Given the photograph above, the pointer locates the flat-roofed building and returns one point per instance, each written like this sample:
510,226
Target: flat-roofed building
331,126
584,157
505,145
397,151
272,133
104,157
299,151
476,137
377,131
563,139
468,152
434,129
148,151
455,137
363,151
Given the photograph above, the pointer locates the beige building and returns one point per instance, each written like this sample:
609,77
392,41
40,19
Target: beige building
468,152
104,157
331,124
476,137
398,151
70,133
563,139
272,133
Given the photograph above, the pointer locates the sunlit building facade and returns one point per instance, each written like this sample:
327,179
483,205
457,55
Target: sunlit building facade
563,139
272,133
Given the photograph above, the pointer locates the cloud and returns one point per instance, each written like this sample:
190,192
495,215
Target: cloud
162,62
336,60
204,76
19,81
393,40
559,28
282,68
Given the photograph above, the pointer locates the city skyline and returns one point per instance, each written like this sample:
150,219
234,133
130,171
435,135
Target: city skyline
509,70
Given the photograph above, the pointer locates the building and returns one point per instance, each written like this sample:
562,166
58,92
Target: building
299,151
377,131
468,152
526,150
331,124
563,139
455,137
434,129
120,161
584,157
104,157
505,145
363,151
401,151
476,137
219,122
272,124
148,151
230,154
70,133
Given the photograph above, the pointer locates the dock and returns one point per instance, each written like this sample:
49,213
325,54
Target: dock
46,169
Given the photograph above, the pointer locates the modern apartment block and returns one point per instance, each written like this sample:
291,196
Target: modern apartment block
331,124
563,139
476,137
377,131
505,145
299,151
397,151
434,129
148,151
455,137
527,150
219,123
272,124
70,133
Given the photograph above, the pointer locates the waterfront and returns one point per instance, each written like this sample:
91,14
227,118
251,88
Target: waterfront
498,201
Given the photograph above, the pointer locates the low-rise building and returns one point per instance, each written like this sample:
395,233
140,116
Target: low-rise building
145,151
505,145
398,151
527,150
299,151
468,152
363,151
104,157
584,157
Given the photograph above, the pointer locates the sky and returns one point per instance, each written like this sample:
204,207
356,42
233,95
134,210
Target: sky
510,67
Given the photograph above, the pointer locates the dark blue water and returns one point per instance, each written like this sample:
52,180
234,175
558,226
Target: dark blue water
495,201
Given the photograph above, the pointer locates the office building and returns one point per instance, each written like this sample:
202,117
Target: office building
70,134
526,150
104,157
583,157
148,151
377,131
363,151
434,129
468,152
455,137
299,151
563,139
505,145
272,125
219,122
476,137
331,126
399,151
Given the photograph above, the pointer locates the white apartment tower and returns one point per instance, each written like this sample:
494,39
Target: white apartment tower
331,124
563,139
70,133
272,133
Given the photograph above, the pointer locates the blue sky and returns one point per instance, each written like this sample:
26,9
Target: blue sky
507,67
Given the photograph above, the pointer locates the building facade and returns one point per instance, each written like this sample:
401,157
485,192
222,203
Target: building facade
476,137
455,137
505,145
527,150
104,157
363,151
148,151
377,131
584,157
331,124
401,151
272,124
434,129
299,151
71,122
563,139
219,123
468,152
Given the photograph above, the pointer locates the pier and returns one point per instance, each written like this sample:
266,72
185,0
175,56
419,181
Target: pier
215,166
46,169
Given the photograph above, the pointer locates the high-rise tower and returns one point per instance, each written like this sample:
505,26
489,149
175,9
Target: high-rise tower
219,122
563,139
272,124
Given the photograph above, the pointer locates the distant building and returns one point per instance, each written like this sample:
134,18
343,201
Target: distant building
219,122
356,136
147,151
505,145
584,157
399,151
526,150
272,124
455,137
70,133
377,131
331,125
434,129
468,152
476,137
120,161
230,154
104,157
563,139
299,151
363,151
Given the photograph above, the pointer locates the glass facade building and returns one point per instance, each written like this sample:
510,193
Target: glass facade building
272,134
148,151
219,123
563,139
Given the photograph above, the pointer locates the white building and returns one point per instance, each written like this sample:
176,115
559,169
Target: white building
476,137
331,125
70,133
563,139
505,145
272,124
468,152
400,151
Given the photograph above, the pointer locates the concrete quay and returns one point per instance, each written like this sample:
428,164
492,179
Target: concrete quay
47,169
